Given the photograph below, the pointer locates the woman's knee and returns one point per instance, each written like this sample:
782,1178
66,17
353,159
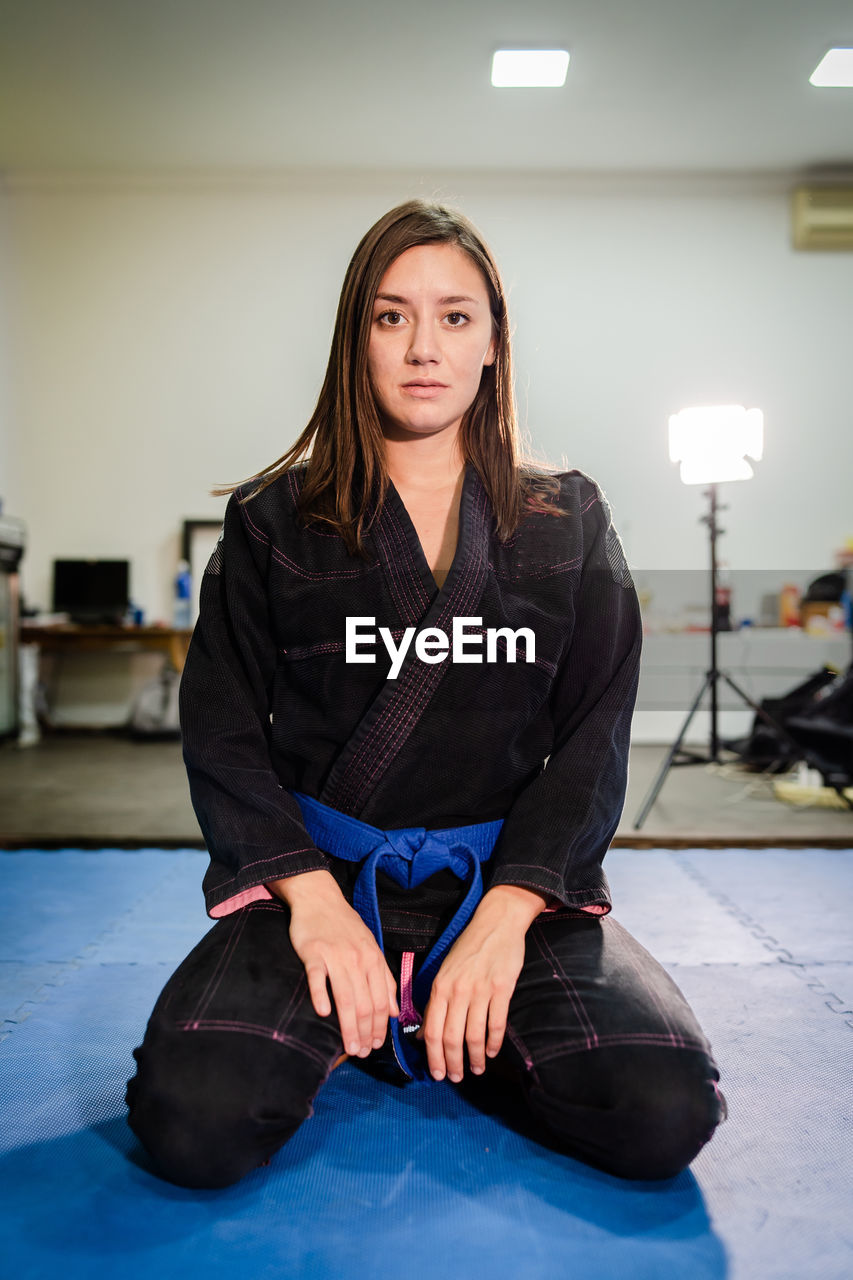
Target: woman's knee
666,1130
646,1119
211,1106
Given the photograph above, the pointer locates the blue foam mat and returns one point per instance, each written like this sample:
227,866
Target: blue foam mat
419,1182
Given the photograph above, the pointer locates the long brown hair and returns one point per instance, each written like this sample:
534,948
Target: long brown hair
344,434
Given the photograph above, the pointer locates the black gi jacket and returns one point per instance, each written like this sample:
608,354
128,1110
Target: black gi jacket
269,705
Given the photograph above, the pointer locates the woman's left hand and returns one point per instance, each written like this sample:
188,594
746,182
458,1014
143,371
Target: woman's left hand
470,996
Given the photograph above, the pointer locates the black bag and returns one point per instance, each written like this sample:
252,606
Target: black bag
829,586
764,749
826,729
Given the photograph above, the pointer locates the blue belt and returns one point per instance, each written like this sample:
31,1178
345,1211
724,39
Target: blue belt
409,855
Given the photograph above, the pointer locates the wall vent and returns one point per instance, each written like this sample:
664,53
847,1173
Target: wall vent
823,217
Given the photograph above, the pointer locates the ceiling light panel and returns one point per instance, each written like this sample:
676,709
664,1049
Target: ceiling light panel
529,68
834,71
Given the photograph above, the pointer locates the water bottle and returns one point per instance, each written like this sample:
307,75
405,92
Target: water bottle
182,612
847,607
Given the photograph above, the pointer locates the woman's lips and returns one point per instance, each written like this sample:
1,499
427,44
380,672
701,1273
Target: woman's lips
424,391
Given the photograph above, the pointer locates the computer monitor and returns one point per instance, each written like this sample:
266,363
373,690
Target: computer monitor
91,591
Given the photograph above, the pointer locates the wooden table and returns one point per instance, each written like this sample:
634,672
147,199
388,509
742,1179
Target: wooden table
71,638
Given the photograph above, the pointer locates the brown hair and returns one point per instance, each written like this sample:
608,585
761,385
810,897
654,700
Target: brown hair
345,429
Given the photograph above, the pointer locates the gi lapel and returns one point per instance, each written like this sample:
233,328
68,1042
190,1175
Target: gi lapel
401,703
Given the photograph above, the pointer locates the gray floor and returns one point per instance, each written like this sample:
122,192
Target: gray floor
90,790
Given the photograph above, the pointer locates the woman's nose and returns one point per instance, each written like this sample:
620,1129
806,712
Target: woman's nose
424,345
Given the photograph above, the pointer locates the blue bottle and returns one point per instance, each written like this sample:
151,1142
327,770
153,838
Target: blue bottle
847,606
182,610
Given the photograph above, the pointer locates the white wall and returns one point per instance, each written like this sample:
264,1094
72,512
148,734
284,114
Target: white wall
172,334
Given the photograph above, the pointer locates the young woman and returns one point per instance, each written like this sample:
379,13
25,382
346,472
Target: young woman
405,714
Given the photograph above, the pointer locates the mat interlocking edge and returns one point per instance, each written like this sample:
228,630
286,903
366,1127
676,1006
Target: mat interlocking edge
384,1182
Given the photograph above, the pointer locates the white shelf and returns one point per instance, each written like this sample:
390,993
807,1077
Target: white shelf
765,662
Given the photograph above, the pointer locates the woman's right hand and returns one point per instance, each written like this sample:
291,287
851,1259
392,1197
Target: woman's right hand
334,943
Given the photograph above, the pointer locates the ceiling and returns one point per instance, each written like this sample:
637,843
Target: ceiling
654,85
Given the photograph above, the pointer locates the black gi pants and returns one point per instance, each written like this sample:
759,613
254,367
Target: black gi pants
603,1058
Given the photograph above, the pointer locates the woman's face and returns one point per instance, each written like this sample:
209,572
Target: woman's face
431,334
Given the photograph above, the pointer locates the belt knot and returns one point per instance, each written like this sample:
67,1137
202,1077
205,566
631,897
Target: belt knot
406,843
409,855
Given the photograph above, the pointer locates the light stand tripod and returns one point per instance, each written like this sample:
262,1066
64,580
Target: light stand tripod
712,678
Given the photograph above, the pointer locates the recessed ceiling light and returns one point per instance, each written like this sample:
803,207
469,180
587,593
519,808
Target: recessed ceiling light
529,68
835,70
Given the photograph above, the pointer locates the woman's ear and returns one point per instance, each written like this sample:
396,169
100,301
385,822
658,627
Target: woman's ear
491,353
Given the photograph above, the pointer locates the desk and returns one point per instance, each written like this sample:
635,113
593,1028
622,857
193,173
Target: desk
67,637
71,638
765,662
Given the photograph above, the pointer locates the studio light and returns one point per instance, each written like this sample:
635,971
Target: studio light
713,443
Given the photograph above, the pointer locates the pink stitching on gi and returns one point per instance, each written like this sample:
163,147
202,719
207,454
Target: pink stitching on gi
219,972
404,606
284,1021
309,650
337,646
418,684
568,986
677,1040
412,584
386,546
394,545
251,1028
351,784
416,687
523,1051
421,686
636,1037
260,862
285,560
595,908
295,491
548,572
531,866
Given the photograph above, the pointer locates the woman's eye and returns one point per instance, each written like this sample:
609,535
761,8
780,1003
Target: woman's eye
394,319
